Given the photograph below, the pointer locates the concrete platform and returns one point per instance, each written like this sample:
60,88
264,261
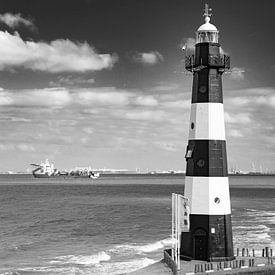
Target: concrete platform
188,268
159,268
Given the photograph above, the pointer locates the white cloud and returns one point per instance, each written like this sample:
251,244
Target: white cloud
188,45
260,100
103,96
57,56
178,104
15,20
70,81
150,58
88,130
146,101
21,147
237,73
148,115
266,100
237,118
168,146
36,97
164,87
234,133
25,147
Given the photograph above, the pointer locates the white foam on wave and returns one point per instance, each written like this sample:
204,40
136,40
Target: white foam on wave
255,230
262,216
49,270
81,259
117,268
103,268
147,248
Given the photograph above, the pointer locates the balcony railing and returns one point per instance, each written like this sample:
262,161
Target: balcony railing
217,61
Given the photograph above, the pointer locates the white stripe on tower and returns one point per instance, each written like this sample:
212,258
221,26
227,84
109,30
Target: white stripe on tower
207,121
208,195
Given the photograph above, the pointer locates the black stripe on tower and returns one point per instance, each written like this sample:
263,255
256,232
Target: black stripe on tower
207,82
207,86
220,248
206,158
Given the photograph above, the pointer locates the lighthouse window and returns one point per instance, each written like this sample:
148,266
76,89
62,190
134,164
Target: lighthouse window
189,152
217,200
192,125
201,163
202,89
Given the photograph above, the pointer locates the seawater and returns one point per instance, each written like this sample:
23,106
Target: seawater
112,225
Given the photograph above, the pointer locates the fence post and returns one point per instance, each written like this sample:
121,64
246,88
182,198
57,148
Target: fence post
267,251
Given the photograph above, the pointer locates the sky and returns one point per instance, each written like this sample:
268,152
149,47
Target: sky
102,83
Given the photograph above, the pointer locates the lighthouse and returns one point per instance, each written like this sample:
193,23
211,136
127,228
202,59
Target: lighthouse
206,184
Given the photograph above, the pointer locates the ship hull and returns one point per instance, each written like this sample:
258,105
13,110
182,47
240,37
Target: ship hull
63,176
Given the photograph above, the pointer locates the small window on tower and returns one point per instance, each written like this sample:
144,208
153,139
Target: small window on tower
189,152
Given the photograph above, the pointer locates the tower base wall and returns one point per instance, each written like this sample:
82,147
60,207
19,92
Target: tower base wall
209,238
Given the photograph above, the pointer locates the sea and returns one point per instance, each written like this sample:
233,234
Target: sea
111,225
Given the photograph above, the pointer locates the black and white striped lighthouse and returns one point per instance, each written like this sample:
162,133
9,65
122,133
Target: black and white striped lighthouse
206,183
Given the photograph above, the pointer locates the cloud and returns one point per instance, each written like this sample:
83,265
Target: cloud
167,146
15,20
102,96
188,45
37,97
150,58
146,101
239,118
21,147
148,115
57,56
179,104
260,100
61,96
88,130
25,147
237,73
71,81
164,87
234,133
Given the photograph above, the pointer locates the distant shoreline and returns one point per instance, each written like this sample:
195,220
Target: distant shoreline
131,174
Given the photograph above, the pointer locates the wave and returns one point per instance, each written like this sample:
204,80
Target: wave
147,248
109,268
82,260
253,236
255,228
60,221
117,268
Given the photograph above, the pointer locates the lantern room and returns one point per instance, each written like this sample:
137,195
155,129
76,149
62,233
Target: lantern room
207,32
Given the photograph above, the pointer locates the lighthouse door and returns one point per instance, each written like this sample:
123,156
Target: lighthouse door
200,245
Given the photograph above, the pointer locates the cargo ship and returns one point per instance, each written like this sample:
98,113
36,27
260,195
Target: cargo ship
46,170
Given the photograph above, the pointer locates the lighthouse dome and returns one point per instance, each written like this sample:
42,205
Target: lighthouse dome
207,27
207,32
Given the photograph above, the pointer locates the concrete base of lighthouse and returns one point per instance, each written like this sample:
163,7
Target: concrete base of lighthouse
209,239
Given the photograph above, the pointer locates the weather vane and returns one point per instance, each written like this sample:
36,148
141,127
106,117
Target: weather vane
207,11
